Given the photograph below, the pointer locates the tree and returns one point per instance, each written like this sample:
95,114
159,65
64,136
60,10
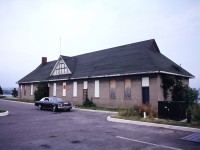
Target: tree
184,93
14,92
1,91
191,96
42,91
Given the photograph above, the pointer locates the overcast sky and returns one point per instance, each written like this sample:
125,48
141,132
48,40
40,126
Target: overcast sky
31,29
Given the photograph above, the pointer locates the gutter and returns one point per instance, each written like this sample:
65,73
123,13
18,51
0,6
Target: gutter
113,75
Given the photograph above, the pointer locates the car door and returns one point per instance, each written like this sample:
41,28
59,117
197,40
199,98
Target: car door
46,103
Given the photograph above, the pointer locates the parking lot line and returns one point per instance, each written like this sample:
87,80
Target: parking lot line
168,147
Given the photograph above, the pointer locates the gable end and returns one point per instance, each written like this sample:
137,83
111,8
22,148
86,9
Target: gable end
60,68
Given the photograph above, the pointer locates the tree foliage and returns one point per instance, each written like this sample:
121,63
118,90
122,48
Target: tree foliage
1,91
168,82
184,93
179,91
14,92
42,91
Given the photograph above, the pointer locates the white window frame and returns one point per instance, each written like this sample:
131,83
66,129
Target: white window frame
75,89
64,88
145,82
54,89
85,85
96,88
31,89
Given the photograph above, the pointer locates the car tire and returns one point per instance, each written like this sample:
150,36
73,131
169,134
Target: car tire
40,107
54,108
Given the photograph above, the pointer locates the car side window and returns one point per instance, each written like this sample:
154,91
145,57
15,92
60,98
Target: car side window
46,99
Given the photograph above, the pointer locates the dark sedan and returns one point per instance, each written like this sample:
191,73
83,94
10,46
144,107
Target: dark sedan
53,103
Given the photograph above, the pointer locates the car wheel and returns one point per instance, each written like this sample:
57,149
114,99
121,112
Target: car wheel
40,107
54,108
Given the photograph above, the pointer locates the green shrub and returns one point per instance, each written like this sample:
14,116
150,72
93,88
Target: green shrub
195,110
89,103
129,112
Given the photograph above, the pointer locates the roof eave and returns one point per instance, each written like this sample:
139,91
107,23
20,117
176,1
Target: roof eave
112,75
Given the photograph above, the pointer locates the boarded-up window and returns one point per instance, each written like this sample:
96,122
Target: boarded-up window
24,90
113,89
127,89
54,89
64,88
74,89
96,88
145,82
85,85
31,89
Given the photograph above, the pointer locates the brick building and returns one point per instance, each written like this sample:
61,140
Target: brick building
115,77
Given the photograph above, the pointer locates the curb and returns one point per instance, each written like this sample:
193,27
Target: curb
100,111
195,130
4,114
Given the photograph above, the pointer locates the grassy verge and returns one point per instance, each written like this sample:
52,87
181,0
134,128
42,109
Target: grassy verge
98,108
20,100
194,124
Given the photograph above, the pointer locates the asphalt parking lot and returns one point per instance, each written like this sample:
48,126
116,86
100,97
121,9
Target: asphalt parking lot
27,127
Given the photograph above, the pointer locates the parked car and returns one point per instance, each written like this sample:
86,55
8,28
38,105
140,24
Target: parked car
53,103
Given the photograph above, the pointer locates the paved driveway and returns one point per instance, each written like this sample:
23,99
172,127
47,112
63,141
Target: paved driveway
28,128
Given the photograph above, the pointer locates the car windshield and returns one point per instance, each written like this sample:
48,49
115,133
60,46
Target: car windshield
55,99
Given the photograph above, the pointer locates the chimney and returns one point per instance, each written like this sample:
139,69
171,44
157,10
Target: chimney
44,60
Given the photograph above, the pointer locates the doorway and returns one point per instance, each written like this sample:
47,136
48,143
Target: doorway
145,95
85,94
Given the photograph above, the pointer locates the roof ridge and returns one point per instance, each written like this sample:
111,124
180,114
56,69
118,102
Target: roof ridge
135,43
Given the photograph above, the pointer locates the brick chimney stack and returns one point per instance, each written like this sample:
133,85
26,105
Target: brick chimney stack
44,60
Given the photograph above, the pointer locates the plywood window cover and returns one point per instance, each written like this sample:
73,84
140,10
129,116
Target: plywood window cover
127,88
85,85
54,89
31,89
64,88
113,89
145,82
75,89
96,89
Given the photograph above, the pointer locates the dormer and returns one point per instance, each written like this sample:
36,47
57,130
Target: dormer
60,68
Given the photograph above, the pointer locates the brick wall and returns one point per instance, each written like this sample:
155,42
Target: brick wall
155,91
